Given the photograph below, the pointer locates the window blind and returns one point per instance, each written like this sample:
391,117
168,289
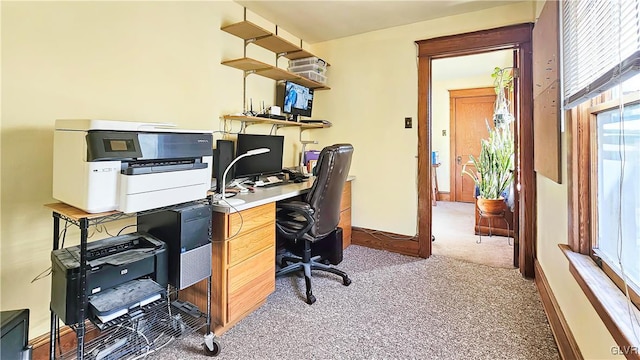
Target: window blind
600,46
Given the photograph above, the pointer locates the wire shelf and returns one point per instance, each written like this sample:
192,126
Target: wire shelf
134,338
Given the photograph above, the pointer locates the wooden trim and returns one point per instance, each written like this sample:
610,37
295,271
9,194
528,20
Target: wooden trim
452,146
578,139
579,171
444,196
527,199
605,105
567,345
518,38
506,37
613,275
474,92
609,302
68,341
382,240
424,159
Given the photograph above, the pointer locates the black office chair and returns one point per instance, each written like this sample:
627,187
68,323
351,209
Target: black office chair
317,216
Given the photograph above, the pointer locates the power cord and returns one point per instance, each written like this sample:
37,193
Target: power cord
47,271
119,232
239,214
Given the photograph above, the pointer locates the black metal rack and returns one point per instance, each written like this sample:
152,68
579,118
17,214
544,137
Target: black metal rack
130,337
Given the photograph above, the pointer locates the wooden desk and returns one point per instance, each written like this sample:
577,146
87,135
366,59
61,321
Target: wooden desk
243,261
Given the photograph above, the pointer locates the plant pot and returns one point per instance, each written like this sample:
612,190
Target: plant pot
491,206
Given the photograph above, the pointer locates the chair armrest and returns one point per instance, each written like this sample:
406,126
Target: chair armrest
297,208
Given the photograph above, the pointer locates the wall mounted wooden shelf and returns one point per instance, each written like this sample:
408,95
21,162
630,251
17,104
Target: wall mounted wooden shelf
255,119
272,72
252,33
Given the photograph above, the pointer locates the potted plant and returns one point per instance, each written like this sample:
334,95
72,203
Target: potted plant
502,84
494,166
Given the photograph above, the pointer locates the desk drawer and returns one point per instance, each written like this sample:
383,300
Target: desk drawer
250,295
345,224
246,271
245,297
345,201
249,244
251,219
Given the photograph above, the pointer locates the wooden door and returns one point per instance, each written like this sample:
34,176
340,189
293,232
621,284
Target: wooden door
471,110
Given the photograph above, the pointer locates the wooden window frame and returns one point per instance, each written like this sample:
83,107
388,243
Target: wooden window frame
604,288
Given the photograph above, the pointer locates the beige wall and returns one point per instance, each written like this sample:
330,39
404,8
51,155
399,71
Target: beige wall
137,61
159,61
374,87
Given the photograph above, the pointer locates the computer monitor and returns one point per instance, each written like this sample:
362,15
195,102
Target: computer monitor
296,99
263,164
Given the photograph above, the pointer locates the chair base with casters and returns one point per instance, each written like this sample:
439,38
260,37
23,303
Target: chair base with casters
306,264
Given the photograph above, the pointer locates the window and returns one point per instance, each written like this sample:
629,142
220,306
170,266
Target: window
601,89
615,190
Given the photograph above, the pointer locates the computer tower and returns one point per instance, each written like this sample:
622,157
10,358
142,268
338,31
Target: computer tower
223,155
186,231
14,340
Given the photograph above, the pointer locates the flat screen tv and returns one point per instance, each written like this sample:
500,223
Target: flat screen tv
296,99
263,164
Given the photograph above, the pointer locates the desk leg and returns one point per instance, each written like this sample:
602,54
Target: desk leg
53,332
82,293
434,187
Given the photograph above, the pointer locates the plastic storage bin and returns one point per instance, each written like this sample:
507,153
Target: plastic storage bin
308,61
312,75
310,67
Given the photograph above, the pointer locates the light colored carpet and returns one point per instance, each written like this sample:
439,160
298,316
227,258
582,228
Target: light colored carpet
397,307
453,227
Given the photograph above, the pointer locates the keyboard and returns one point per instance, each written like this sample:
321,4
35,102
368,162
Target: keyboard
275,183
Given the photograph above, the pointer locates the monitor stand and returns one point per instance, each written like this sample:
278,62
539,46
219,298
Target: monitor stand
294,117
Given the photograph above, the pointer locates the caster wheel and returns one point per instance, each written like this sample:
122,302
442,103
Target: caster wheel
346,281
311,299
212,352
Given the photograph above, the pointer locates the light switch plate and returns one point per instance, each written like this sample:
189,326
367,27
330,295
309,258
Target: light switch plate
407,123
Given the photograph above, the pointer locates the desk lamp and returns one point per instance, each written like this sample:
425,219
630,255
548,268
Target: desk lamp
233,202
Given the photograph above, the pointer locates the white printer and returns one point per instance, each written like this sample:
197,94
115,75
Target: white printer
104,165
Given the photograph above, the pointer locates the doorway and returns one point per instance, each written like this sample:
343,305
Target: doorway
462,104
517,38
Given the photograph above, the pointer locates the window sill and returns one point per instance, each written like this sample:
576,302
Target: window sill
609,302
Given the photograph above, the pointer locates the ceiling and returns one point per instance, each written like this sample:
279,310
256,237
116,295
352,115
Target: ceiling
317,21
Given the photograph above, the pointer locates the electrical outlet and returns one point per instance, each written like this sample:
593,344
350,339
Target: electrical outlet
407,123
444,132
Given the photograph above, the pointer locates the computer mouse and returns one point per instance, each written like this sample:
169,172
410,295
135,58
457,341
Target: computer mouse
298,180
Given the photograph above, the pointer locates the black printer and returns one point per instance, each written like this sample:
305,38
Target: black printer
116,262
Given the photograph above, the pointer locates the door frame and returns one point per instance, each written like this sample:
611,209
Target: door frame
453,95
514,37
